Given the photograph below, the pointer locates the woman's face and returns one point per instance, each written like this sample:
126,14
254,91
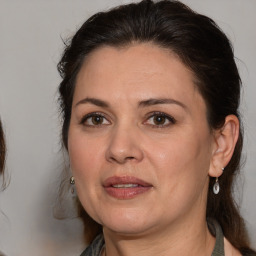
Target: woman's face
139,143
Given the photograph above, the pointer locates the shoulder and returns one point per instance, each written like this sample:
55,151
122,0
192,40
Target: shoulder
230,250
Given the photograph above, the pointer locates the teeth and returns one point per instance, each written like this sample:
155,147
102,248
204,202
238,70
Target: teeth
125,185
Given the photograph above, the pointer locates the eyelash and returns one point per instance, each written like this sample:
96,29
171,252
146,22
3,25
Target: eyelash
170,119
91,115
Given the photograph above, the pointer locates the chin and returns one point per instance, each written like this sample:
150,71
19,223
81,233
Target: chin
126,229
127,224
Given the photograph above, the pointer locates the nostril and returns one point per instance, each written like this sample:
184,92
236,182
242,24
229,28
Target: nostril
122,160
130,158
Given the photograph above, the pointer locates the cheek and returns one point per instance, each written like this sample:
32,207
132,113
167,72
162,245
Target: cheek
175,154
182,160
182,172
84,156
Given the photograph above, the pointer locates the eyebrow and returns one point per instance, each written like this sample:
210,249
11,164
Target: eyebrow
97,102
144,103
151,102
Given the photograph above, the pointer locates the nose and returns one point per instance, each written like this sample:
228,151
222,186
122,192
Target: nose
124,146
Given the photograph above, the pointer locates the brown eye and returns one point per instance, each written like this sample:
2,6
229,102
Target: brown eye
94,119
97,120
159,120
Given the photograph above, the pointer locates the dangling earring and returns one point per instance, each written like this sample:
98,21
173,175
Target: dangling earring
72,182
216,187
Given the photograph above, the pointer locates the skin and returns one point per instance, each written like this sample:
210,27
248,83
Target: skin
166,143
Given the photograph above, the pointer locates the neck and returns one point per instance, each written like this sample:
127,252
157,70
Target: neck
171,241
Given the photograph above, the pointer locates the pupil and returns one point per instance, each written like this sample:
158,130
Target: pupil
159,120
97,120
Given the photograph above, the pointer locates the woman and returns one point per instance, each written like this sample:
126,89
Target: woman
150,96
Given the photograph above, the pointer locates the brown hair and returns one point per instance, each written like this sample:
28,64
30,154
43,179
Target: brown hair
2,149
202,47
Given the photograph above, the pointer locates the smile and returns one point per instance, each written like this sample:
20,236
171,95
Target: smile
125,187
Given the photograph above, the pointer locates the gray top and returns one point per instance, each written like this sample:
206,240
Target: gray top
216,230
94,249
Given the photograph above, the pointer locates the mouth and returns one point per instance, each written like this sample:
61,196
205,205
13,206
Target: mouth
125,187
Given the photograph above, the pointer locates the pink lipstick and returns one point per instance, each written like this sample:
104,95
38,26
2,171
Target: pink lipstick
125,187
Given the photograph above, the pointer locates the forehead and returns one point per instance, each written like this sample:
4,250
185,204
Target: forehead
143,57
143,68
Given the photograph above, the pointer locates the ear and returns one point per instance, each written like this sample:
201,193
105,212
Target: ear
225,140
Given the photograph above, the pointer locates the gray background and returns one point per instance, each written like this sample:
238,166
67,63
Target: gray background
30,47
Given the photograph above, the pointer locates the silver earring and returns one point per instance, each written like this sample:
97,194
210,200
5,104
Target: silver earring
216,187
72,182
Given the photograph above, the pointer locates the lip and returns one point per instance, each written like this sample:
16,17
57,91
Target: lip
125,187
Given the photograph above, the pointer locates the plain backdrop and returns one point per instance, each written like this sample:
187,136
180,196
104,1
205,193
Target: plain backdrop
31,33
